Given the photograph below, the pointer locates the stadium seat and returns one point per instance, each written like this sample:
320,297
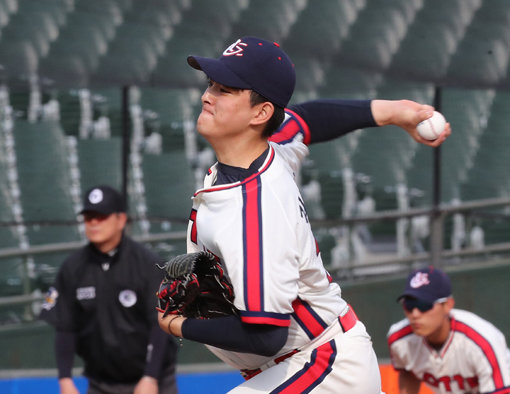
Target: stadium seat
80,45
483,55
201,19
172,69
19,58
213,18
321,28
70,111
7,9
44,181
109,101
491,157
467,112
325,165
267,19
373,38
37,28
173,108
105,15
171,105
100,162
343,81
82,42
169,185
138,43
310,73
11,269
57,10
8,237
427,55
386,155
45,196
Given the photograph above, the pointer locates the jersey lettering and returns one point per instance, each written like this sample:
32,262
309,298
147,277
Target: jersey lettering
447,381
302,209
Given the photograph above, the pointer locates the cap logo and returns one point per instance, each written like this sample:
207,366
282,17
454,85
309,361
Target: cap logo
96,196
236,49
419,280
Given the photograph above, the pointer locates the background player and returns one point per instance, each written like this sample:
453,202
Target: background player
295,332
451,350
102,306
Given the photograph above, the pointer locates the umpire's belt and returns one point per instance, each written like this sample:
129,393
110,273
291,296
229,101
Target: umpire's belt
347,321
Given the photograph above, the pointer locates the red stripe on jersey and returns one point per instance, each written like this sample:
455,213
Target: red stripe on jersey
193,219
486,347
313,372
265,320
309,321
290,128
403,332
330,278
252,239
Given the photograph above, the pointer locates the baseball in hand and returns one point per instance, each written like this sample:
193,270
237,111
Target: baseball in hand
432,127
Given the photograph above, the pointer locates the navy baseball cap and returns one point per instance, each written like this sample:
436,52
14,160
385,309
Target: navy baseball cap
427,284
103,199
252,63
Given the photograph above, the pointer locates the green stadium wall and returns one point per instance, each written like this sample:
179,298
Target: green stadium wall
482,289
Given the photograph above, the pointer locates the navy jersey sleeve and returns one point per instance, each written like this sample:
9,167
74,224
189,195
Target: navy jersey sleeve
328,119
262,339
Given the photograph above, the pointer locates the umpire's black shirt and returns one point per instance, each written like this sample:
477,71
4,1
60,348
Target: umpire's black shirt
107,303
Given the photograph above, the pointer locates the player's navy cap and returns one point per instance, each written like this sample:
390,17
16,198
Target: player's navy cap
252,63
103,199
427,284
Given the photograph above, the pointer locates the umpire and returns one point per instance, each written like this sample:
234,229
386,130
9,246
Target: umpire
103,309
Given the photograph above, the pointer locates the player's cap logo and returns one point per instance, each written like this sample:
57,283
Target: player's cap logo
427,284
96,196
419,280
127,298
236,49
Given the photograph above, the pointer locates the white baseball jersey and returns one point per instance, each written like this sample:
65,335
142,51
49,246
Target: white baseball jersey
260,230
474,359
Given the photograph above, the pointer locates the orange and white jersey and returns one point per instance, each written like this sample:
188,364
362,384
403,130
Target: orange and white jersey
260,231
474,359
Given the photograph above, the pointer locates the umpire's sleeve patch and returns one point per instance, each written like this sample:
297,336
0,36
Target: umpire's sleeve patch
50,299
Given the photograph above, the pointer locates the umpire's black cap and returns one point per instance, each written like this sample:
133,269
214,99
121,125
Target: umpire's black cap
103,199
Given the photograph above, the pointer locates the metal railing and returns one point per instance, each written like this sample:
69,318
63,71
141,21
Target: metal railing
436,256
